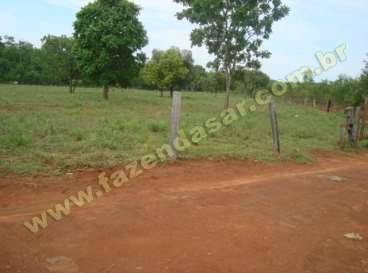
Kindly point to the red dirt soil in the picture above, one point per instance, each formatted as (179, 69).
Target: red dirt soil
(195, 217)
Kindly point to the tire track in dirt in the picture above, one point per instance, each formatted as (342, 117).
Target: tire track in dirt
(18, 213)
(261, 179)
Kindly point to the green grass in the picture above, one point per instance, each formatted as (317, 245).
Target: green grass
(45, 130)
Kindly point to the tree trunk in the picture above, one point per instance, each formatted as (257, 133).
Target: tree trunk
(71, 90)
(171, 92)
(228, 87)
(72, 87)
(161, 93)
(329, 105)
(105, 92)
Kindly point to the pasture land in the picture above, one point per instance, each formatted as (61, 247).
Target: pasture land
(46, 130)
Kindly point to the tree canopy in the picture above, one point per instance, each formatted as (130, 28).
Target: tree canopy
(364, 79)
(249, 82)
(232, 30)
(19, 61)
(109, 38)
(166, 70)
(59, 62)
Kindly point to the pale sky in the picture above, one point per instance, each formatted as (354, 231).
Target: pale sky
(312, 26)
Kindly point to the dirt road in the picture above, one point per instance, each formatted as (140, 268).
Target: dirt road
(196, 217)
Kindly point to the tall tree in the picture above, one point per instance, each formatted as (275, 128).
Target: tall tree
(364, 79)
(2, 60)
(60, 64)
(166, 70)
(189, 64)
(109, 38)
(232, 30)
(16, 61)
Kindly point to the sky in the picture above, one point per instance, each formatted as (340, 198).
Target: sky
(312, 26)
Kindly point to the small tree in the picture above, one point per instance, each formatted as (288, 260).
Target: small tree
(199, 74)
(250, 81)
(109, 38)
(187, 83)
(165, 70)
(232, 30)
(213, 82)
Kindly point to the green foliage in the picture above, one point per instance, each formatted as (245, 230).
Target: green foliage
(52, 64)
(248, 82)
(345, 91)
(213, 82)
(182, 74)
(364, 81)
(198, 74)
(18, 62)
(166, 70)
(233, 31)
(109, 38)
(59, 62)
(188, 82)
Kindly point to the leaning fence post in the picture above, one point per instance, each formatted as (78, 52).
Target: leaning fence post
(357, 125)
(275, 127)
(175, 121)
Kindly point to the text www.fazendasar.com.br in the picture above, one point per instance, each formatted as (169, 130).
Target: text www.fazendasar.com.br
(183, 142)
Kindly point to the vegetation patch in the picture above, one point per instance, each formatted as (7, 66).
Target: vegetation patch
(51, 140)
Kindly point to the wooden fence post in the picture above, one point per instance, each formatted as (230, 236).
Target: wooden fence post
(364, 119)
(175, 120)
(349, 124)
(357, 125)
(275, 127)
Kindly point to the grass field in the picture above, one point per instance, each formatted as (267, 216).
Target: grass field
(45, 130)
